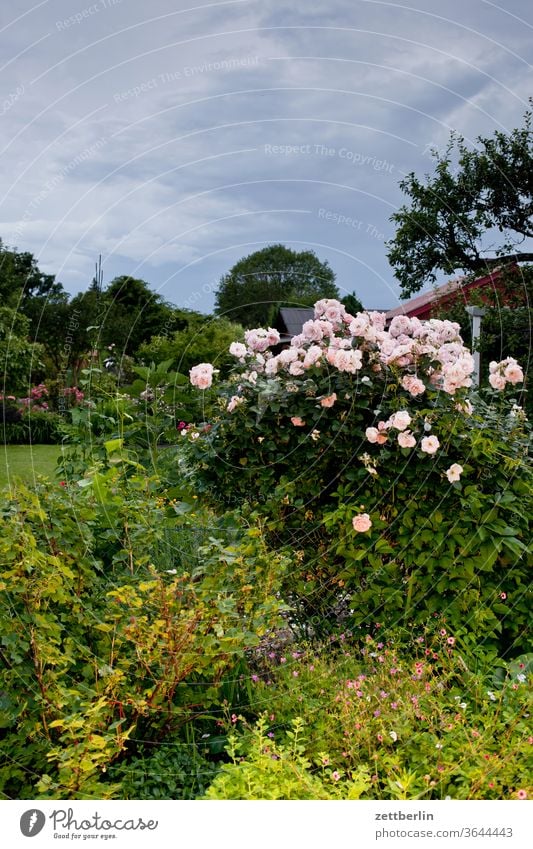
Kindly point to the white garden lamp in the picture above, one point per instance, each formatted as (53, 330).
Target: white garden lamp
(476, 314)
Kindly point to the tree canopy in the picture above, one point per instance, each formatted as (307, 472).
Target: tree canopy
(21, 279)
(254, 289)
(474, 212)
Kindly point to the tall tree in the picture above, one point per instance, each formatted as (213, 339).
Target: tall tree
(132, 314)
(21, 279)
(474, 212)
(254, 289)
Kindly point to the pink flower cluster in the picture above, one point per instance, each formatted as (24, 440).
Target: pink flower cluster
(38, 392)
(430, 351)
(418, 355)
(400, 421)
(504, 372)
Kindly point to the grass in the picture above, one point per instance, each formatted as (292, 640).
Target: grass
(26, 462)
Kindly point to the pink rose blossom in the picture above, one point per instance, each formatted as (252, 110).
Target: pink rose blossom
(289, 355)
(362, 523)
(330, 309)
(297, 421)
(259, 339)
(313, 355)
(296, 368)
(454, 472)
(237, 349)
(329, 400)
(497, 381)
(372, 434)
(201, 375)
(513, 373)
(406, 439)
(313, 331)
(430, 444)
(360, 324)
(400, 420)
(400, 325)
(349, 361)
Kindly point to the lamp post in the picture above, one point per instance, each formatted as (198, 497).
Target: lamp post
(476, 314)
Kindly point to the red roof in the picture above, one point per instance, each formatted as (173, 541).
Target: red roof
(452, 291)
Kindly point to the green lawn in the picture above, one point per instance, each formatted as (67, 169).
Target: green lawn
(26, 462)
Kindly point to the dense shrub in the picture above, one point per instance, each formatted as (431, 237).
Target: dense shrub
(33, 427)
(111, 631)
(418, 715)
(359, 447)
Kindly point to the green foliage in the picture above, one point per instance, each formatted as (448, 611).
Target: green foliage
(34, 427)
(108, 633)
(420, 712)
(21, 281)
(352, 303)
(204, 339)
(167, 770)
(272, 770)
(255, 287)
(452, 215)
(20, 360)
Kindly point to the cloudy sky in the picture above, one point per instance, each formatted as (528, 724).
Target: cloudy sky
(176, 136)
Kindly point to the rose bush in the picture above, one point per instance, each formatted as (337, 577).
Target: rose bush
(397, 495)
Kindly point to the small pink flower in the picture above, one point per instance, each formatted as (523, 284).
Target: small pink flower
(413, 385)
(430, 444)
(297, 421)
(329, 400)
(522, 794)
(497, 381)
(371, 434)
(237, 349)
(335, 775)
(451, 641)
(513, 373)
(234, 402)
(401, 420)
(406, 439)
(362, 523)
(503, 596)
(454, 472)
